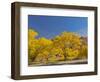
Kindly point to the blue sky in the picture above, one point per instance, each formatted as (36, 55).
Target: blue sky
(50, 26)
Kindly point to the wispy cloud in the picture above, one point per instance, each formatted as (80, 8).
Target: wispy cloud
(82, 31)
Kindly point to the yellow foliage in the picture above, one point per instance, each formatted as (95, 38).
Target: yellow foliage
(32, 42)
(56, 54)
(44, 42)
(63, 47)
(67, 40)
(71, 53)
(83, 52)
(42, 58)
(32, 33)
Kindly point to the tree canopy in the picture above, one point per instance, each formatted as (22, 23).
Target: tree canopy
(63, 47)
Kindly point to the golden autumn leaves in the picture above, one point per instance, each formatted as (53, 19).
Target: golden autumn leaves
(63, 47)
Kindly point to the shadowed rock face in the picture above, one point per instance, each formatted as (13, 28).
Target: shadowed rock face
(84, 40)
